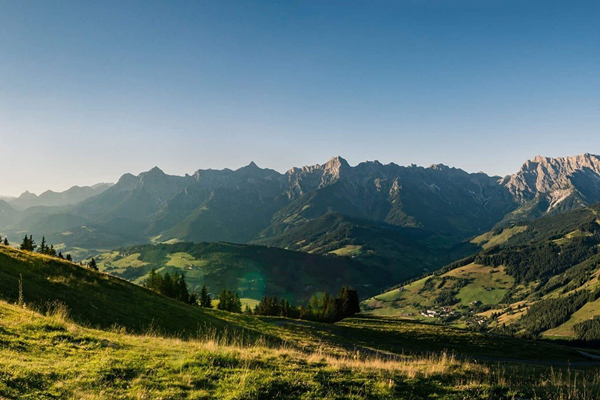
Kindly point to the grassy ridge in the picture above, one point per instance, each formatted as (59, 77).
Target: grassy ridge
(97, 299)
(50, 357)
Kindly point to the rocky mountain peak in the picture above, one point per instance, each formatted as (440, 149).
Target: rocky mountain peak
(554, 178)
(336, 163)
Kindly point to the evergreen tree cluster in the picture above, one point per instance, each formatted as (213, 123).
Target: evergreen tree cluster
(229, 301)
(323, 308)
(588, 330)
(550, 313)
(278, 308)
(4, 241)
(28, 244)
(174, 286)
(47, 250)
(529, 263)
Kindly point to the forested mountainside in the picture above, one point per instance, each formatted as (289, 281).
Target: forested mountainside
(539, 277)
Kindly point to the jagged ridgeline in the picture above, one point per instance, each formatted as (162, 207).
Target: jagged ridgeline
(539, 277)
(405, 220)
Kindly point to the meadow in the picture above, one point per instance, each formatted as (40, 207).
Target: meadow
(67, 332)
(48, 356)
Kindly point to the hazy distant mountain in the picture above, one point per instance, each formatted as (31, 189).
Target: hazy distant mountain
(7, 213)
(49, 198)
(375, 212)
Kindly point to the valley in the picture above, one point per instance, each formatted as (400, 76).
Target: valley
(492, 285)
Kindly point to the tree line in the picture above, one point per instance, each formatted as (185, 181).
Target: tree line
(322, 308)
(171, 286)
(550, 313)
(28, 244)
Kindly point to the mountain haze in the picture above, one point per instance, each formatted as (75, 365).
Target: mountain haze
(408, 219)
(50, 198)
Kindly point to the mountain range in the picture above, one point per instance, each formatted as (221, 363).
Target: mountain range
(406, 219)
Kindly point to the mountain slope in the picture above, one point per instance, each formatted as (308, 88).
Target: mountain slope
(7, 213)
(547, 185)
(403, 252)
(254, 271)
(96, 299)
(537, 277)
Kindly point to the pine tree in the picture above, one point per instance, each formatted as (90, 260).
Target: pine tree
(60, 255)
(92, 265)
(69, 258)
(43, 248)
(6, 242)
(28, 243)
(236, 304)
(182, 293)
(348, 303)
(223, 300)
(205, 300)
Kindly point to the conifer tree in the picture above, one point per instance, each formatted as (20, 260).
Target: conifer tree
(27, 243)
(69, 258)
(60, 255)
(6, 242)
(236, 303)
(43, 248)
(92, 265)
(223, 300)
(205, 300)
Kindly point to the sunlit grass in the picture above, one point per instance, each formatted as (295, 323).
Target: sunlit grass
(50, 356)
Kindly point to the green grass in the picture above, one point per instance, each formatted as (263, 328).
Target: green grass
(97, 299)
(50, 357)
(58, 352)
(490, 239)
(486, 285)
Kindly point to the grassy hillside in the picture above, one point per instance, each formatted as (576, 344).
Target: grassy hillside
(55, 353)
(254, 271)
(96, 299)
(540, 277)
(50, 357)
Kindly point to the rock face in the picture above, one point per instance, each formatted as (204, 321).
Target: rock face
(549, 185)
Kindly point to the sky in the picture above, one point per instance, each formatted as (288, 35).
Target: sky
(92, 90)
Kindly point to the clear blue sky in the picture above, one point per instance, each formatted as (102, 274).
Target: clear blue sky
(90, 90)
